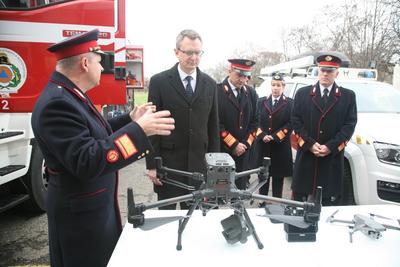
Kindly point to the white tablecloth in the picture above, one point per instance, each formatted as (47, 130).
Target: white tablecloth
(204, 245)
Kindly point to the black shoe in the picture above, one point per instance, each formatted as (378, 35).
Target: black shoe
(262, 204)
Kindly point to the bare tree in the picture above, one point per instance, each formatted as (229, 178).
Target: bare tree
(218, 73)
(259, 55)
(367, 31)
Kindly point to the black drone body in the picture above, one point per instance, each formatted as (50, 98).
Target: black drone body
(218, 189)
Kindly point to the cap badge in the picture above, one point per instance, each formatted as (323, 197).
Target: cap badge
(94, 49)
(277, 77)
(328, 58)
(248, 63)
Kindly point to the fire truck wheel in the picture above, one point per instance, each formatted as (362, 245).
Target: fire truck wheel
(347, 192)
(36, 180)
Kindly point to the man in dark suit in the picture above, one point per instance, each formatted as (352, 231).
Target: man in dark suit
(273, 136)
(324, 117)
(83, 153)
(191, 96)
(237, 115)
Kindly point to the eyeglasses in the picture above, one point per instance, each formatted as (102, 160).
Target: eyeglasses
(191, 53)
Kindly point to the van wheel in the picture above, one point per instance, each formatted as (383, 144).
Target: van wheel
(36, 181)
(348, 192)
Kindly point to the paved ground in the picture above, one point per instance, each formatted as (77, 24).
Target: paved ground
(23, 236)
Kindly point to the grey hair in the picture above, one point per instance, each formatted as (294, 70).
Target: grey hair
(67, 63)
(191, 34)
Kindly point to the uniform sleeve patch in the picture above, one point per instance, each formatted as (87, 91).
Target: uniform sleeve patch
(342, 146)
(300, 141)
(112, 156)
(280, 134)
(258, 132)
(228, 139)
(250, 139)
(125, 146)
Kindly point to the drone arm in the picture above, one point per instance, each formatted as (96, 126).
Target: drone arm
(279, 200)
(387, 226)
(341, 221)
(262, 171)
(163, 171)
(193, 175)
(168, 201)
(166, 180)
(247, 173)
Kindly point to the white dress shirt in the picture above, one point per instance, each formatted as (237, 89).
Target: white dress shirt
(183, 75)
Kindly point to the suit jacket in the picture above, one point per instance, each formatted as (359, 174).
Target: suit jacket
(332, 126)
(237, 121)
(196, 124)
(275, 122)
(82, 153)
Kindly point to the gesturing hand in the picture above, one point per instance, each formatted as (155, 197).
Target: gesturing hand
(159, 123)
(139, 111)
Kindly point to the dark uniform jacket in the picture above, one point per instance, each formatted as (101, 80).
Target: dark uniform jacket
(82, 153)
(332, 126)
(196, 125)
(275, 122)
(237, 120)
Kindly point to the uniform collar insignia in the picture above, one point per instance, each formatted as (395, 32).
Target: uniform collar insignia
(312, 92)
(226, 88)
(79, 94)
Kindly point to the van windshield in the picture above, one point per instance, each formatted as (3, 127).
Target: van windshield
(375, 97)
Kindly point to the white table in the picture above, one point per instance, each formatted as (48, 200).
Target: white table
(204, 245)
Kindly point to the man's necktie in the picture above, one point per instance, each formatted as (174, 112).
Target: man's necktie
(189, 89)
(325, 96)
(275, 104)
(239, 94)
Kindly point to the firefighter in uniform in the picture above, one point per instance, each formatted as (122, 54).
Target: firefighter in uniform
(273, 135)
(83, 153)
(237, 115)
(324, 117)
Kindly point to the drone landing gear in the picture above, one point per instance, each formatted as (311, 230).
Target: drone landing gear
(183, 223)
(252, 230)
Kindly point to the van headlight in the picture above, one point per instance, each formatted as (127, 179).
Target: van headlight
(388, 153)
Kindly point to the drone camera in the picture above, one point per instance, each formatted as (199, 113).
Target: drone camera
(234, 231)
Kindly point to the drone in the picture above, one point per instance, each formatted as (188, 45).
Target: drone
(218, 189)
(367, 225)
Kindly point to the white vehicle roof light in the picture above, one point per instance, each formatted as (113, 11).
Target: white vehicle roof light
(305, 65)
(347, 73)
(388, 153)
(288, 67)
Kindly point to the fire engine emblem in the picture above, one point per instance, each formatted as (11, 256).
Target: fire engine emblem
(12, 71)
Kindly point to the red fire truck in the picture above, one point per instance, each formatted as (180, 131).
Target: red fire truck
(27, 28)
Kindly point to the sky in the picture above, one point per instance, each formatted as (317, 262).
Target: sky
(224, 25)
